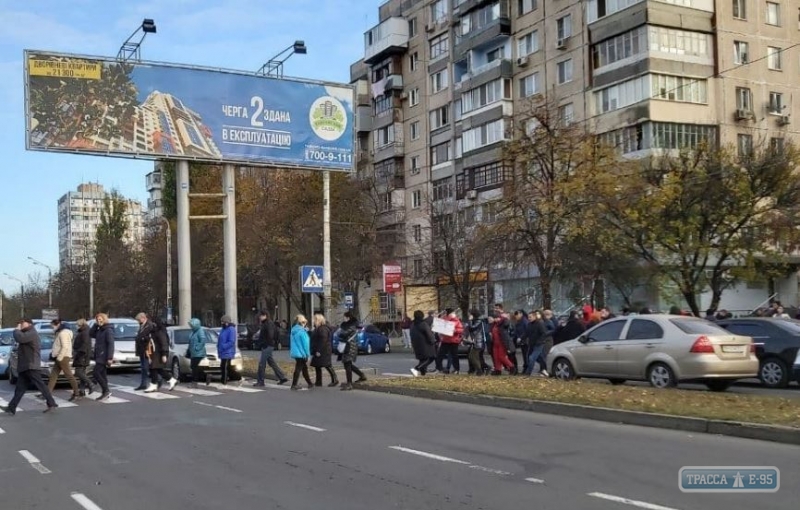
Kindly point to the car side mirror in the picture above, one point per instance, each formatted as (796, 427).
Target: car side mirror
(584, 339)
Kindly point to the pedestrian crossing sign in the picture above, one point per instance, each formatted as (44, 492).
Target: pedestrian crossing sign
(311, 278)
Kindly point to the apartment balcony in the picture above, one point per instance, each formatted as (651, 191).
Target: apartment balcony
(359, 71)
(364, 122)
(387, 117)
(390, 150)
(387, 38)
(393, 216)
(653, 12)
(153, 180)
(489, 35)
(465, 6)
(501, 68)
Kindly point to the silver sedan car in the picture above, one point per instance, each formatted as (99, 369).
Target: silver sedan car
(180, 365)
(661, 349)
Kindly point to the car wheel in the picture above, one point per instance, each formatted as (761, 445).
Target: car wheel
(718, 385)
(660, 375)
(388, 348)
(369, 348)
(617, 382)
(562, 369)
(773, 373)
(176, 369)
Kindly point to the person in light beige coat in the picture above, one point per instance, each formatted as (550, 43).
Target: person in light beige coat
(61, 356)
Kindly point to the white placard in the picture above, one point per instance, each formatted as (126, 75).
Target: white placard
(443, 327)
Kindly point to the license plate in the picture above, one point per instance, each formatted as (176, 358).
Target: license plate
(213, 364)
(733, 348)
(132, 360)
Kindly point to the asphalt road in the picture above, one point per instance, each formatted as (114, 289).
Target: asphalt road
(325, 448)
(401, 360)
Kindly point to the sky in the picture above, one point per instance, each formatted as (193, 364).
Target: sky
(234, 34)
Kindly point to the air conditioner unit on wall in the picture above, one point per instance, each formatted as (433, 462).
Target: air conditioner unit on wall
(562, 43)
(785, 120)
(522, 61)
(742, 114)
(430, 27)
(472, 194)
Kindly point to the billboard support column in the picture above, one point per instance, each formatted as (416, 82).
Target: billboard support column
(229, 241)
(326, 241)
(184, 244)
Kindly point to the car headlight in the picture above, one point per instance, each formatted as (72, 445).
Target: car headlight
(797, 359)
(3, 355)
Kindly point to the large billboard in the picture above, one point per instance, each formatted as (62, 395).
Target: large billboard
(102, 106)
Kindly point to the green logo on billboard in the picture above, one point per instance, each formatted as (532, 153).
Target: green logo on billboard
(328, 118)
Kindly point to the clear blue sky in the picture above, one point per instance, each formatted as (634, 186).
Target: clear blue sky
(238, 34)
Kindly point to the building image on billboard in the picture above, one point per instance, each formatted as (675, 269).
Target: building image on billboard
(108, 107)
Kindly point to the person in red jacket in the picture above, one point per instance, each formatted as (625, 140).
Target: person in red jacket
(449, 345)
(501, 342)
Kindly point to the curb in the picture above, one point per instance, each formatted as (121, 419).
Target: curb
(340, 373)
(772, 433)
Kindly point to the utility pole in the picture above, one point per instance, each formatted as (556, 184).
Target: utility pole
(169, 270)
(326, 241)
(49, 280)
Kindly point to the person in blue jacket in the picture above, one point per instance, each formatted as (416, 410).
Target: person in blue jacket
(300, 351)
(196, 352)
(226, 348)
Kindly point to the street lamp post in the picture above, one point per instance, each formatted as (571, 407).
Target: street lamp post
(49, 280)
(21, 294)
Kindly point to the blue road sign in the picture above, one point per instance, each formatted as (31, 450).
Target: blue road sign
(349, 300)
(311, 278)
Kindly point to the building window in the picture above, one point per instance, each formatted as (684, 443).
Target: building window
(440, 117)
(382, 104)
(466, 216)
(418, 268)
(383, 136)
(443, 189)
(442, 224)
(564, 26)
(744, 99)
(601, 8)
(480, 19)
(486, 94)
(414, 164)
(416, 199)
(490, 175)
(525, 6)
(528, 43)
(415, 130)
(439, 11)
(441, 153)
(621, 95)
(776, 104)
(774, 58)
(679, 42)
(529, 85)
(625, 140)
(459, 147)
(489, 212)
(496, 54)
(741, 53)
(439, 46)
(744, 145)
(486, 134)
(412, 27)
(773, 14)
(620, 47)
(666, 135)
(417, 233)
(680, 89)
(564, 71)
(439, 81)
(776, 144)
(566, 113)
(740, 9)
(413, 97)
(413, 61)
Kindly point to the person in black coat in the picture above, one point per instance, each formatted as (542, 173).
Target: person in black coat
(142, 344)
(571, 330)
(103, 334)
(536, 335)
(423, 342)
(81, 354)
(268, 340)
(348, 332)
(321, 350)
(158, 352)
(29, 365)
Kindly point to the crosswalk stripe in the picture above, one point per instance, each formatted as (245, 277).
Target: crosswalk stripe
(156, 395)
(233, 387)
(4, 403)
(60, 401)
(112, 400)
(197, 391)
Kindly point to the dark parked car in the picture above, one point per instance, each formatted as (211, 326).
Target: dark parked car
(777, 346)
(370, 340)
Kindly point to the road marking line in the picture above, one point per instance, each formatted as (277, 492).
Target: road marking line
(389, 374)
(242, 389)
(198, 392)
(156, 395)
(276, 387)
(490, 470)
(534, 480)
(303, 426)
(427, 455)
(2, 431)
(112, 400)
(631, 502)
(85, 502)
(218, 407)
(61, 402)
(34, 462)
(4, 403)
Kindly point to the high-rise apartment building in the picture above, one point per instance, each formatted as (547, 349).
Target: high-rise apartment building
(79, 215)
(441, 83)
(155, 187)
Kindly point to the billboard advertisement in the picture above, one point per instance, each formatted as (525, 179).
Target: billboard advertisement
(392, 278)
(102, 106)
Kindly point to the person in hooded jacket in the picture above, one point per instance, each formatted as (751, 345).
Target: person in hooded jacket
(321, 350)
(300, 351)
(423, 342)
(82, 348)
(226, 346)
(501, 344)
(348, 332)
(159, 353)
(196, 351)
(103, 334)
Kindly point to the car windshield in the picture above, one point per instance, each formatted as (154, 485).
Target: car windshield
(46, 340)
(698, 327)
(789, 325)
(182, 336)
(125, 330)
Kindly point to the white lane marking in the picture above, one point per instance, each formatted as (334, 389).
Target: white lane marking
(631, 502)
(112, 400)
(218, 407)
(490, 470)
(85, 502)
(4, 403)
(534, 480)
(275, 386)
(34, 462)
(2, 431)
(156, 395)
(198, 392)
(60, 401)
(304, 426)
(233, 387)
(428, 455)
(389, 374)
